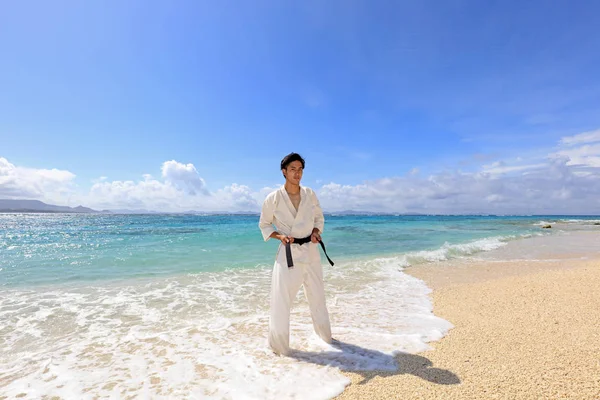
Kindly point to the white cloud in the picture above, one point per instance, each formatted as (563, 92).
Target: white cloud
(586, 137)
(32, 183)
(554, 186)
(494, 198)
(584, 155)
(500, 167)
(237, 197)
(145, 194)
(184, 176)
(181, 189)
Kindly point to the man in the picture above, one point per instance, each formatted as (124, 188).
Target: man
(296, 213)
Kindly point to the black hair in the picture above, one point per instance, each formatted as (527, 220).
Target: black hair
(291, 158)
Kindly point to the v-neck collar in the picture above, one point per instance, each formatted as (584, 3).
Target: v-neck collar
(289, 203)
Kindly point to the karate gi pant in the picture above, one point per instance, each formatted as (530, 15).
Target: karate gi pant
(285, 283)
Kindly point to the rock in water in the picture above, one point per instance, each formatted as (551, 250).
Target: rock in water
(547, 226)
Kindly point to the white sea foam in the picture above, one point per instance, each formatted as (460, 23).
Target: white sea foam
(450, 251)
(581, 221)
(571, 225)
(570, 222)
(542, 223)
(204, 336)
(561, 244)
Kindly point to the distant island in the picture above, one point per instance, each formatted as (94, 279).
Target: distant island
(36, 206)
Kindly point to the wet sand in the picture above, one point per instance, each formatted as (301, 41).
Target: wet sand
(524, 329)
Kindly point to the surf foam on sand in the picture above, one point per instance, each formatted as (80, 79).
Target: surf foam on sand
(204, 335)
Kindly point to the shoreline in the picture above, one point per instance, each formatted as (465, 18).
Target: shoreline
(523, 329)
(150, 277)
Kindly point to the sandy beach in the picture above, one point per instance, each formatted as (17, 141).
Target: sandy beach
(523, 330)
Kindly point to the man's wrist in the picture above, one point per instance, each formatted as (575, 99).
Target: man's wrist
(275, 235)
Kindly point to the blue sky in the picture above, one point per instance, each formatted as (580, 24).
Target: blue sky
(104, 93)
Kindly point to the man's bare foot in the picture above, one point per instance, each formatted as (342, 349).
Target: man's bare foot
(281, 353)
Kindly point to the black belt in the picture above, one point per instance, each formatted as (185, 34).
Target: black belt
(288, 250)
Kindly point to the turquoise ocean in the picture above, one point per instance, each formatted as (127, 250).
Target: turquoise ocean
(176, 306)
(47, 249)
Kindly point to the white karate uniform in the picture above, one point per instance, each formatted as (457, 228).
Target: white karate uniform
(278, 210)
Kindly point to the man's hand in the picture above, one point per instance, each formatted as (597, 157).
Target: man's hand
(285, 239)
(315, 237)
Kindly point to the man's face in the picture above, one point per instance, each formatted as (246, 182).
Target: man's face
(293, 172)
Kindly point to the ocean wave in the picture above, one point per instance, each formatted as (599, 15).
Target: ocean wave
(581, 221)
(569, 222)
(450, 251)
